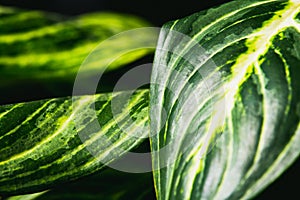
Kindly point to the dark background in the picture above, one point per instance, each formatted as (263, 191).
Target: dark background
(156, 12)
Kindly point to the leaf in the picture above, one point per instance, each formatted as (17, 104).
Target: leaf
(108, 185)
(225, 108)
(52, 141)
(26, 196)
(37, 45)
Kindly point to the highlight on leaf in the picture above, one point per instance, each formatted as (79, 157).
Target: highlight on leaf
(108, 184)
(224, 115)
(254, 47)
(41, 146)
(38, 45)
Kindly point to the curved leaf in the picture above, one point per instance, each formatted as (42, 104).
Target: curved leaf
(26, 196)
(108, 185)
(232, 116)
(52, 141)
(42, 45)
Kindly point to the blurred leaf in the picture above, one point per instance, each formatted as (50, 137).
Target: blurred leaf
(232, 108)
(37, 45)
(47, 142)
(26, 196)
(108, 185)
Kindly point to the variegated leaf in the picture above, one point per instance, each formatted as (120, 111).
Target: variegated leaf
(53, 141)
(38, 45)
(228, 123)
(108, 184)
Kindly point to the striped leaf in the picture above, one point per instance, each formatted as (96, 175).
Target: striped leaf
(108, 185)
(228, 123)
(46, 142)
(26, 196)
(37, 45)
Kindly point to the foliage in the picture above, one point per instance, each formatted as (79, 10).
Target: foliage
(225, 109)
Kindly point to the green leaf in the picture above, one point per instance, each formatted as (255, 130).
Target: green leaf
(37, 45)
(232, 108)
(26, 196)
(46, 142)
(108, 185)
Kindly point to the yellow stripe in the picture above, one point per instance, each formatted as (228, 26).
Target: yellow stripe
(41, 32)
(258, 43)
(246, 60)
(47, 119)
(289, 81)
(86, 166)
(80, 104)
(30, 117)
(42, 58)
(11, 109)
(273, 27)
(207, 28)
(88, 142)
(112, 122)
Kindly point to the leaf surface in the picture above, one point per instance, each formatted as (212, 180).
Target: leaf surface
(108, 185)
(229, 98)
(37, 45)
(52, 141)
